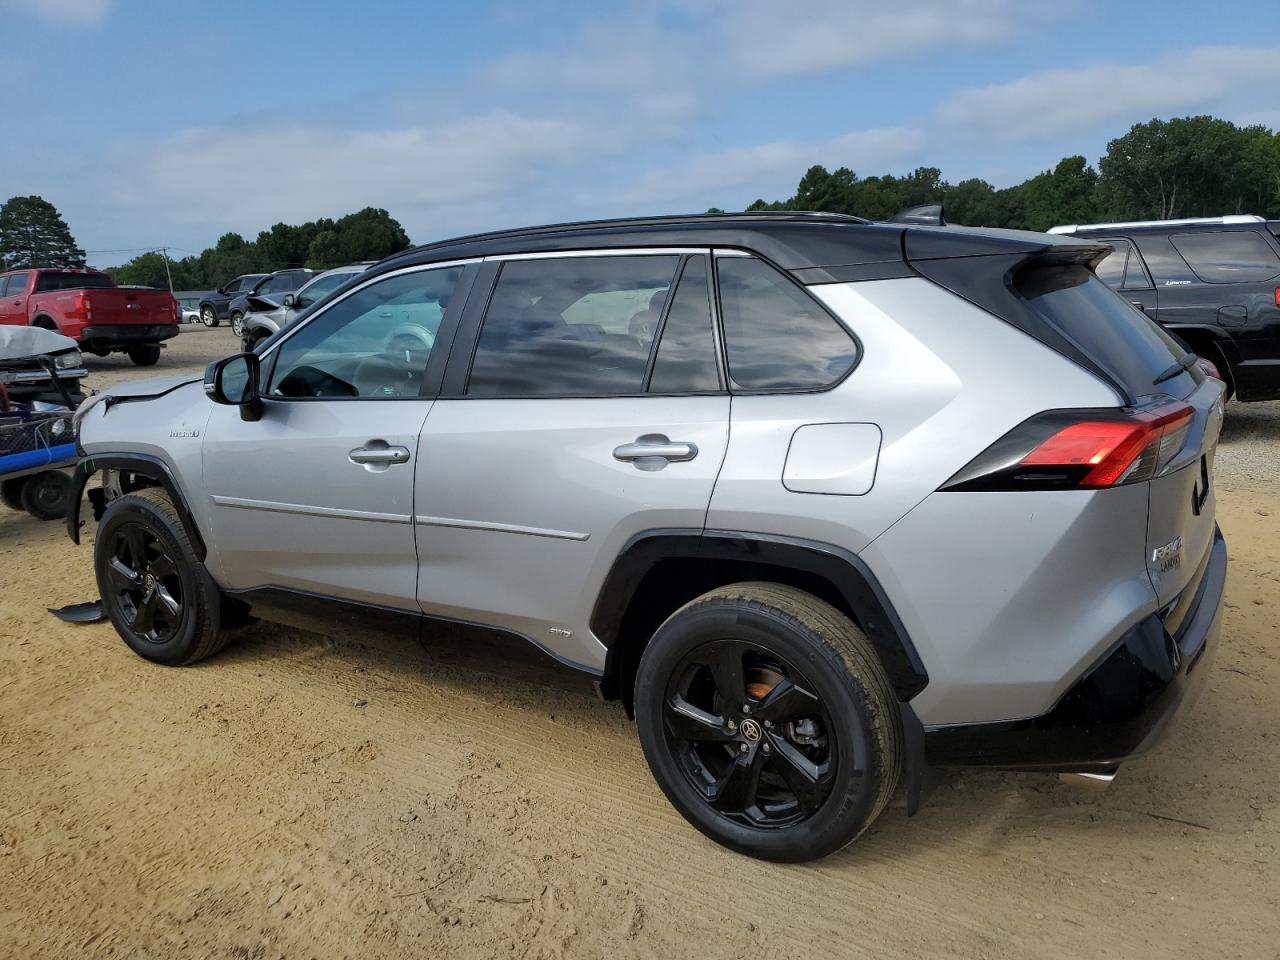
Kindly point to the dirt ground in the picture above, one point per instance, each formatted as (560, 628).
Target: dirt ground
(306, 797)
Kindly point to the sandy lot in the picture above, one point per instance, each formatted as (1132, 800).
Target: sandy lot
(305, 797)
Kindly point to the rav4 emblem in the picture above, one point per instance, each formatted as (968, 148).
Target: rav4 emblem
(184, 433)
(1168, 556)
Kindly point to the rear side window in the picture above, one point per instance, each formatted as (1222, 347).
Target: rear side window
(686, 361)
(72, 281)
(776, 336)
(1104, 326)
(571, 326)
(321, 288)
(1242, 256)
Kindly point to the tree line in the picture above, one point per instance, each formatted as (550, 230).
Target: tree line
(369, 234)
(1185, 167)
(33, 234)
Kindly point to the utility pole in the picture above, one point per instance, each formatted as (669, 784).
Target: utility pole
(164, 252)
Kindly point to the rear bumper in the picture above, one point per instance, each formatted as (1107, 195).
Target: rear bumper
(107, 334)
(1120, 707)
(1256, 379)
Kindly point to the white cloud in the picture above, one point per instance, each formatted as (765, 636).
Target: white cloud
(78, 12)
(775, 167)
(1045, 104)
(768, 39)
(298, 174)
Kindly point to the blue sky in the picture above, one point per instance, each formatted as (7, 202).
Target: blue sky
(168, 123)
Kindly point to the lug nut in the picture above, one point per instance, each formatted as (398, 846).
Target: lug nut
(743, 749)
(768, 724)
(746, 708)
(766, 748)
(733, 725)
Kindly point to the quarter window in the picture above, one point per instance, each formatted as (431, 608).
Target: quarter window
(776, 336)
(571, 326)
(373, 343)
(1242, 256)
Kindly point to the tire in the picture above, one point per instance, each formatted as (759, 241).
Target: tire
(145, 563)
(45, 323)
(45, 495)
(144, 354)
(208, 316)
(237, 324)
(11, 492)
(774, 776)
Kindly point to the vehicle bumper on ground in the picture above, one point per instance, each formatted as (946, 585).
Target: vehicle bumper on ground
(1257, 379)
(105, 334)
(1117, 709)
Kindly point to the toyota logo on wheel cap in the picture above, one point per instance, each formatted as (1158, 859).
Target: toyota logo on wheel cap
(751, 730)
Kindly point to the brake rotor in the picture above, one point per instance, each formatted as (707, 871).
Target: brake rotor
(761, 681)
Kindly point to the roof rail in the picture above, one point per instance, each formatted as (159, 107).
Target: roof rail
(1187, 221)
(803, 216)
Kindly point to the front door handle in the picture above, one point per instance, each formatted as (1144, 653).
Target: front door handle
(653, 451)
(378, 453)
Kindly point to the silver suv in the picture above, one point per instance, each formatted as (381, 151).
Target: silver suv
(267, 315)
(825, 503)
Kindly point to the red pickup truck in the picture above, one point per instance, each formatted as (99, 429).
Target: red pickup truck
(88, 307)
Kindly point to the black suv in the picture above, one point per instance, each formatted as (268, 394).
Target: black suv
(1214, 282)
(215, 306)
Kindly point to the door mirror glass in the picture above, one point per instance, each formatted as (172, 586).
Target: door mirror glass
(233, 381)
(290, 300)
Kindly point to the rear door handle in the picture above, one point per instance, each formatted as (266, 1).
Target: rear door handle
(653, 451)
(379, 453)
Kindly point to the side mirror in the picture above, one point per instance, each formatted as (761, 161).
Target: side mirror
(290, 300)
(233, 381)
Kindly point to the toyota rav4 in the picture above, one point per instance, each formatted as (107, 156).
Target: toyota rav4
(827, 504)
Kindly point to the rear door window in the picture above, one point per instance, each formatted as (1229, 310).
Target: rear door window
(572, 327)
(1238, 256)
(1122, 269)
(1105, 326)
(1111, 270)
(686, 360)
(777, 337)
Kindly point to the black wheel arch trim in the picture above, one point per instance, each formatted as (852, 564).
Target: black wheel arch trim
(843, 569)
(142, 464)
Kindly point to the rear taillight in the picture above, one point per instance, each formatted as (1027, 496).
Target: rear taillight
(79, 308)
(1210, 368)
(1080, 449)
(1278, 296)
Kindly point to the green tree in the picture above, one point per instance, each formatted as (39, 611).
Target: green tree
(1185, 167)
(33, 234)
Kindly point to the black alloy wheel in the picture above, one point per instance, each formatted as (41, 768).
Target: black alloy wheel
(750, 734)
(768, 721)
(145, 583)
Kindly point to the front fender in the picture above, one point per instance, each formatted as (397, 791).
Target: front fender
(141, 465)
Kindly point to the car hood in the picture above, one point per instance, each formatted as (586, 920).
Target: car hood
(17, 343)
(154, 387)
